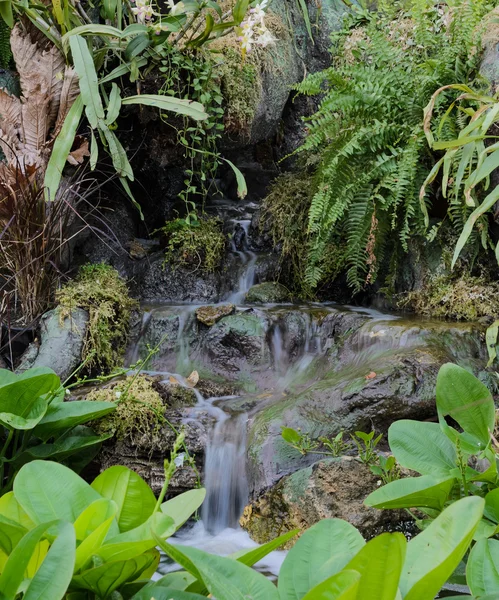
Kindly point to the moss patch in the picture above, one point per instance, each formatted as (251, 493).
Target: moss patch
(467, 298)
(200, 246)
(140, 410)
(101, 291)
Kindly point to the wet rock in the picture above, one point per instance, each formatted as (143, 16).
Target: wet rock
(382, 372)
(269, 292)
(175, 395)
(147, 456)
(162, 282)
(237, 343)
(61, 343)
(331, 488)
(209, 315)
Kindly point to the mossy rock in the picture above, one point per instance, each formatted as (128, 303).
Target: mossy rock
(209, 315)
(270, 292)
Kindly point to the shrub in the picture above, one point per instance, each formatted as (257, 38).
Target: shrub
(101, 291)
(199, 245)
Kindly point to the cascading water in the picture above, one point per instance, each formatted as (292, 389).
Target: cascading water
(248, 262)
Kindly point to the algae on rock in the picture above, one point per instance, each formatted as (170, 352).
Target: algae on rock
(101, 291)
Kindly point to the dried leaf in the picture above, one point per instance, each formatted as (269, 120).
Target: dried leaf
(193, 379)
(77, 156)
(69, 93)
(371, 375)
(173, 381)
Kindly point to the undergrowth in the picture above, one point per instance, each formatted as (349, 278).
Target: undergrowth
(140, 410)
(365, 144)
(194, 246)
(101, 291)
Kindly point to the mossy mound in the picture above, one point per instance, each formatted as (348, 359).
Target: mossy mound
(467, 298)
(209, 315)
(101, 291)
(197, 246)
(140, 409)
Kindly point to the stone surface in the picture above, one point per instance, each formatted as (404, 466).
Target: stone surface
(269, 292)
(61, 343)
(209, 315)
(381, 372)
(331, 488)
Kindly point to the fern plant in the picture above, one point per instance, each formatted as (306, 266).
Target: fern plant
(366, 143)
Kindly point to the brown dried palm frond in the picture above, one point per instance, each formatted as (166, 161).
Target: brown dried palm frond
(28, 125)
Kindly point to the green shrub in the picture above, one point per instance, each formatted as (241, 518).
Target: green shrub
(366, 144)
(199, 245)
(101, 291)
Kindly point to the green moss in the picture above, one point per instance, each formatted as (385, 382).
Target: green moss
(196, 246)
(241, 87)
(465, 298)
(140, 409)
(101, 291)
(285, 213)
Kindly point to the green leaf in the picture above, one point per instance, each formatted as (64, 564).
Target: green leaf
(411, 492)
(228, 579)
(23, 402)
(467, 400)
(183, 506)
(52, 579)
(251, 557)
(137, 45)
(322, 551)
(491, 510)
(66, 415)
(6, 12)
(176, 105)
(105, 579)
(342, 586)
(158, 592)
(48, 491)
(12, 510)
(290, 435)
(433, 555)
(122, 70)
(242, 188)
(94, 151)
(422, 447)
(380, 564)
(492, 337)
(240, 9)
(117, 153)
(13, 571)
(89, 88)
(11, 534)
(482, 570)
(114, 107)
(133, 497)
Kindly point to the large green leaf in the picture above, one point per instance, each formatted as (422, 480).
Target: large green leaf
(158, 592)
(180, 106)
(342, 586)
(131, 493)
(250, 557)
(66, 415)
(13, 572)
(91, 528)
(380, 564)
(482, 570)
(411, 492)
(52, 579)
(183, 506)
(12, 510)
(11, 534)
(491, 510)
(105, 579)
(467, 400)
(61, 150)
(322, 551)
(422, 447)
(433, 555)
(47, 491)
(23, 402)
(228, 579)
(89, 88)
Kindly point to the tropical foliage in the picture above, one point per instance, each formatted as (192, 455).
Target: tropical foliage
(366, 144)
(37, 423)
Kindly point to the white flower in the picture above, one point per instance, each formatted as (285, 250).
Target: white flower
(176, 9)
(68, 393)
(378, 483)
(246, 42)
(143, 11)
(257, 13)
(179, 460)
(117, 394)
(265, 39)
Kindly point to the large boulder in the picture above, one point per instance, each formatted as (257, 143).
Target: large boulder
(268, 292)
(331, 488)
(379, 373)
(61, 343)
